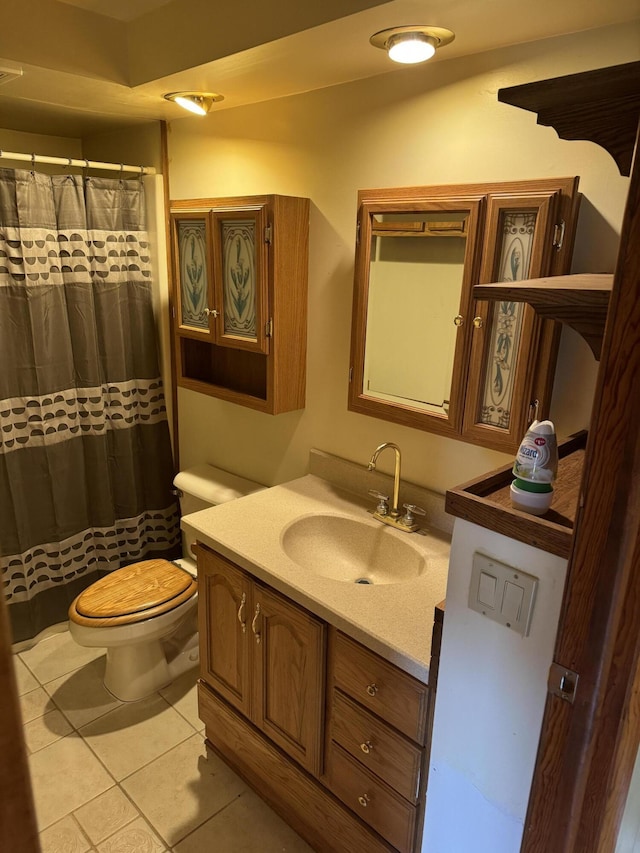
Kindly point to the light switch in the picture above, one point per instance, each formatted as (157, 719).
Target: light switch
(502, 593)
(512, 601)
(487, 590)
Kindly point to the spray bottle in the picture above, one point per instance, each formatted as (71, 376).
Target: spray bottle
(535, 469)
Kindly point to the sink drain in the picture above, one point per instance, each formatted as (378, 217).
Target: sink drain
(363, 580)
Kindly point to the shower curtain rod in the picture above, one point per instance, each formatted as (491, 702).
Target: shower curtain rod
(71, 161)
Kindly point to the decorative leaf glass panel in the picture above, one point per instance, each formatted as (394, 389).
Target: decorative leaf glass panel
(192, 265)
(517, 229)
(239, 278)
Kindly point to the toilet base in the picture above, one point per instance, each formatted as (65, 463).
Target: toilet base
(136, 671)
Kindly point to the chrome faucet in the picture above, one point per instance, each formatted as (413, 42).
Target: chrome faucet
(382, 512)
(394, 511)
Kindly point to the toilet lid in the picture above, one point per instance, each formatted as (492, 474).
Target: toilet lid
(135, 590)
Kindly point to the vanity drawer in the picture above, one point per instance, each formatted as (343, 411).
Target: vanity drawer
(398, 698)
(379, 806)
(396, 760)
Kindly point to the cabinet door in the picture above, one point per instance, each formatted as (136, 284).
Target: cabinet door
(240, 277)
(288, 670)
(193, 292)
(223, 621)
(511, 345)
(416, 264)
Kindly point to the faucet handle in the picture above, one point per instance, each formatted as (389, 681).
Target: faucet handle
(408, 519)
(383, 502)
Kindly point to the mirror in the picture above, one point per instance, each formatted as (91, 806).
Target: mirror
(424, 352)
(416, 272)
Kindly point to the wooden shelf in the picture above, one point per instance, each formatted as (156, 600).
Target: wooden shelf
(487, 501)
(601, 106)
(580, 301)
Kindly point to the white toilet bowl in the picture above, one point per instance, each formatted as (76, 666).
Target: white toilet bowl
(141, 657)
(145, 615)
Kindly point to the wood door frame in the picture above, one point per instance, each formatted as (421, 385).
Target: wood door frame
(587, 749)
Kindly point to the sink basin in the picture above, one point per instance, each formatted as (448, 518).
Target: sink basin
(346, 549)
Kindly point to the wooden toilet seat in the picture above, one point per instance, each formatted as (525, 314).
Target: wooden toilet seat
(133, 594)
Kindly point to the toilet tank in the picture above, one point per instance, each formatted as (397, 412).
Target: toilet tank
(205, 486)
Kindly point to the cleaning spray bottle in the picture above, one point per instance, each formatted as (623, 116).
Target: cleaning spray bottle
(535, 469)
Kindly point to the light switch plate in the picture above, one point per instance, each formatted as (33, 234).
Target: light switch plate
(502, 593)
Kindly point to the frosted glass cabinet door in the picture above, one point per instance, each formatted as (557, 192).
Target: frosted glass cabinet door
(240, 278)
(193, 274)
(502, 393)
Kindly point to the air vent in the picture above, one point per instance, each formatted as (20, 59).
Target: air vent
(9, 72)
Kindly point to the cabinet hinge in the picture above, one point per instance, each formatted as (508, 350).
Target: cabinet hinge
(357, 232)
(351, 374)
(268, 328)
(562, 682)
(558, 234)
(268, 233)
(173, 312)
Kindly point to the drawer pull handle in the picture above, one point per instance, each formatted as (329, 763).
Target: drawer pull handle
(366, 747)
(372, 689)
(364, 800)
(241, 618)
(254, 623)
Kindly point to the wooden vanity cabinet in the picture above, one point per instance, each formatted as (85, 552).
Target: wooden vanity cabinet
(334, 737)
(239, 298)
(264, 655)
(376, 756)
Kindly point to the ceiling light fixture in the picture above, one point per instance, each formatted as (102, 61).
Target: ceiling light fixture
(411, 44)
(196, 102)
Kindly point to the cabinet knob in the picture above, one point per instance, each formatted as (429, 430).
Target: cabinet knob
(366, 747)
(364, 800)
(458, 320)
(372, 689)
(211, 311)
(478, 322)
(241, 618)
(256, 633)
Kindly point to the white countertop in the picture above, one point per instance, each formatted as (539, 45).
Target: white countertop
(394, 620)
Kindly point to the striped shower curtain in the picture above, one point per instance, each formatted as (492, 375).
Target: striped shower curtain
(85, 458)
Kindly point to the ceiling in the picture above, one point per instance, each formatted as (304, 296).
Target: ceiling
(90, 66)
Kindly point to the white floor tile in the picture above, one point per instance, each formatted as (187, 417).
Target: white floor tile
(182, 694)
(56, 656)
(106, 814)
(81, 694)
(248, 825)
(183, 788)
(45, 730)
(35, 704)
(137, 837)
(134, 734)
(25, 680)
(64, 837)
(64, 776)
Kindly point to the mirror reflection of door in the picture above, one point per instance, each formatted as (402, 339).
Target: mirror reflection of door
(415, 285)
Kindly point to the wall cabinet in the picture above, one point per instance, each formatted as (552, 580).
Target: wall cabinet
(338, 746)
(239, 304)
(425, 352)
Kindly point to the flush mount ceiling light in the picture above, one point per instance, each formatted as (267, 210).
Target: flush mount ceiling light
(411, 44)
(196, 102)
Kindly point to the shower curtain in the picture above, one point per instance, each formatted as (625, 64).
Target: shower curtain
(85, 459)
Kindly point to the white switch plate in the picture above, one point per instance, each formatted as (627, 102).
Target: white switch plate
(515, 593)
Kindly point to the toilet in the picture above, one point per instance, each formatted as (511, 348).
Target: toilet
(145, 614)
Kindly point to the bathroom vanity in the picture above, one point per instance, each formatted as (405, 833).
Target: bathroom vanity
(317, 687)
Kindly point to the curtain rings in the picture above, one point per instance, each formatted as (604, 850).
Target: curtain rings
(33, 165)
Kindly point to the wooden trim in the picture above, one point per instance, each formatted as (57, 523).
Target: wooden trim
(486, 501)
(173, 383)
(587, 748)
(18, 829)
(306, 806)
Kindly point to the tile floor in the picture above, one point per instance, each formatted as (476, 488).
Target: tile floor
(110, 777)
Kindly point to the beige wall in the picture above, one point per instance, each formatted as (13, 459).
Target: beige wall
(439, 123)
